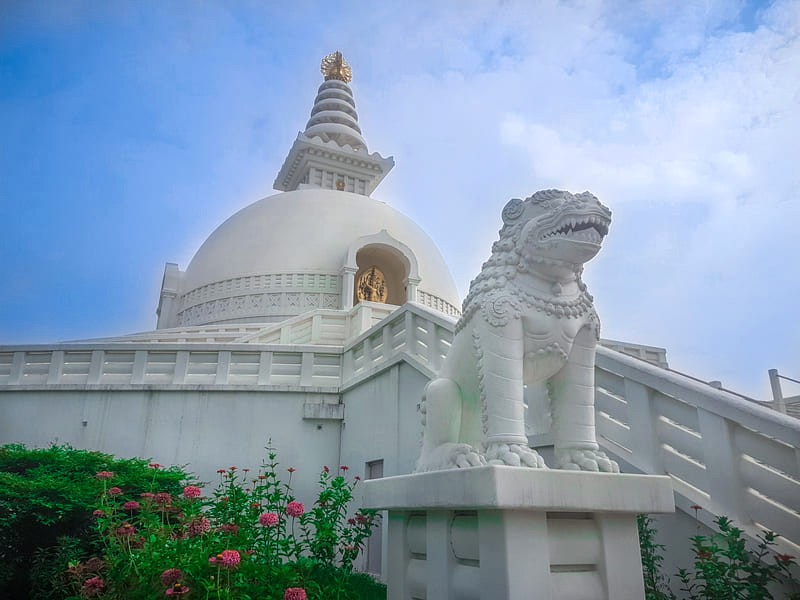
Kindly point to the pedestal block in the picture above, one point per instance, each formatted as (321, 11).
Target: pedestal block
(494, 533)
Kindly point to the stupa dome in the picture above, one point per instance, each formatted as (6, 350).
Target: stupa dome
(297, 244)
(323, 243)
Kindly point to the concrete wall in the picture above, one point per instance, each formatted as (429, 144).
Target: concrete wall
(203, 429)
(381, 421)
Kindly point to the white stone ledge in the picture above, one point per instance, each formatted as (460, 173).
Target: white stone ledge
(167, 387)
(172, 346)
(496, 487)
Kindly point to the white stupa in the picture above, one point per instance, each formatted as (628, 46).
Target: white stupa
(314, 318)
(312, 246)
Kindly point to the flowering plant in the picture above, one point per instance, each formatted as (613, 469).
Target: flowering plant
(725, 568)
(249, 538)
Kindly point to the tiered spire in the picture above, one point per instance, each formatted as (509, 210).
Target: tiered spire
(331, 153)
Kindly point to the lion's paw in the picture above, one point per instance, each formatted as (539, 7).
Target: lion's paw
(584, 460)
(514, 455)
(450, 456)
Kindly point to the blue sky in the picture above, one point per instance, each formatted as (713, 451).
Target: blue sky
(130, 130)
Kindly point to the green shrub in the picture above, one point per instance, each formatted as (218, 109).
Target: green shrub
(49, 494)
(250, 538)
(724, 567)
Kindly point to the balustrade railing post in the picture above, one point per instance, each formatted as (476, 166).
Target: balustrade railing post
(367, 355)
(777, 393)
(316, 329)
(181, 366)
(386, 344)
(139, 364)
(347, 366)
(223, 367)
(264, 368)
(95, 367)
(722, 459)
(410, 333)
(643, 423)
(17, 368)
(432, 342)
(56, 367)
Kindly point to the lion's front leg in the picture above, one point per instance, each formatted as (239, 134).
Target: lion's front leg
(572, 392)
(441, 408)
(500, 353)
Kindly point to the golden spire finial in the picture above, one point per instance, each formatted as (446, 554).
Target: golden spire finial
(334, 66)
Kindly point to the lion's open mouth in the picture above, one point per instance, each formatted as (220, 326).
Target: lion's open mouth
(581, 229)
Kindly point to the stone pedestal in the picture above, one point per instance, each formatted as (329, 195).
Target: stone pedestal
(494, 533)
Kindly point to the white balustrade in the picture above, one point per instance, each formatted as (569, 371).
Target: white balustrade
(163, 365)
(413, 333)
(723, 452)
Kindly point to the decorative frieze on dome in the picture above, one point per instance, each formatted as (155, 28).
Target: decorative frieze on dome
(277, 295)
(256, 307)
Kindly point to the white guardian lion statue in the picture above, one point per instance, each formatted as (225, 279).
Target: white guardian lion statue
(526, 338)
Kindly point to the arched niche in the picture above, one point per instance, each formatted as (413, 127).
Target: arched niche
(391, 257)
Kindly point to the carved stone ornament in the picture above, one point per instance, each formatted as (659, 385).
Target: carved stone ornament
(528, 328)
(371, 286)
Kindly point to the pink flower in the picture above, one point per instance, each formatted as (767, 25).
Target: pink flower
(191, 491)
(291, 469)
(126, 530)
(295, 509)
(98, 513)
(326, 469)
(154, 466)
(171, 576)
(177, 590)
(230, 559)
(361, 518)
(344, 468)
(231, 528)
(220, 471)
(131, 505)
(147, 496)
(294, 594)
(163, 498)
(114, 491)
(198, 526)
(93, 587)
(269, 519)
(104, 475)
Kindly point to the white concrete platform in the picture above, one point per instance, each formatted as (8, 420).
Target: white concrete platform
(494, 533)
